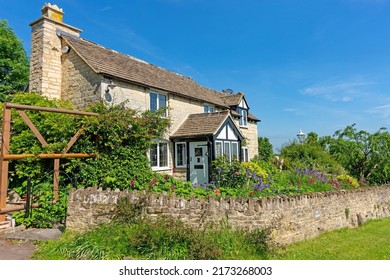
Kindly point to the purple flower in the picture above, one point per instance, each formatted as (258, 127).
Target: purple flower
(261, 186)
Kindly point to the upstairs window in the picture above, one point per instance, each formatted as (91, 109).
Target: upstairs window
(158, 101)
(243, 116)
(209, 109)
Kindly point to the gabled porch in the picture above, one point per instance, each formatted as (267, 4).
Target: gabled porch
(201, 139)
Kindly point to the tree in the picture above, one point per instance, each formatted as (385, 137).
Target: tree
(14, 64)
(265, 148)
(364, 155)
(310, 155)
(312, 138)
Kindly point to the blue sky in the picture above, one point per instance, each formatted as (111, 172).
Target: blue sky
(311, 65)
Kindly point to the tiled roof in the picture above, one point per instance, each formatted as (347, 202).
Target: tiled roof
(232, 99)
(114, 64)
(250, 116)
(201, 124)
(253, 117)
(109, 62)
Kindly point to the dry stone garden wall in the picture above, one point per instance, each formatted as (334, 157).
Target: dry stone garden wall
(290, 218)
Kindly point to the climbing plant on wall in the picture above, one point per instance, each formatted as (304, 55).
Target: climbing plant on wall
(120, 137)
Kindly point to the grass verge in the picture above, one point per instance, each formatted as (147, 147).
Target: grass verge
(368, 242)
(161, 239)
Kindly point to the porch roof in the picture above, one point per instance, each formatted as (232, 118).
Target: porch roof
(205, 124)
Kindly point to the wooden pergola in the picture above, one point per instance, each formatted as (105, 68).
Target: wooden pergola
(5, 156)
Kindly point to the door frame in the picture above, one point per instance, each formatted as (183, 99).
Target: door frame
(207, 158)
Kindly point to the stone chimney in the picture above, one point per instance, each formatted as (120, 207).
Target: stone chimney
(46, 46)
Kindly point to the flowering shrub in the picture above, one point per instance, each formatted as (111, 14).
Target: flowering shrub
(228, 174)
(348, 181)
(247, 179)
(253, 168)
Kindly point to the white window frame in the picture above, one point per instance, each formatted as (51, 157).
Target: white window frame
(229, 156)
(158, 167)
(220, 150)
(237, 156)
(243, 121)
(208, 108)
(158, 94)
(245, 154)
(184, 154)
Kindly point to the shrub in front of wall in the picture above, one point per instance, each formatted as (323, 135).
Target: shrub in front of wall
(348, 182)
(120, 137)
(252, 168)
(228, 174)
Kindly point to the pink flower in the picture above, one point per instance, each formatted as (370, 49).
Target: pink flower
(132, 182)
(217, 191)
(173, 187)
(152, 183)
(236, 173)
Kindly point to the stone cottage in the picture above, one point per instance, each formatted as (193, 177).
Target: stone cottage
(205, 123)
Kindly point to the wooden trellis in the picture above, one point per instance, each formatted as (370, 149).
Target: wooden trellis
(5, 156)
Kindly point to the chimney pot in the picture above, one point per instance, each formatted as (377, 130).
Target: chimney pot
(52, 12)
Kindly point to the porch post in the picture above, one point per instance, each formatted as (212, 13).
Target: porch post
(210, 142)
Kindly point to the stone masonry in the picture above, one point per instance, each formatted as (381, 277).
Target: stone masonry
(290, 218)
(46, 51)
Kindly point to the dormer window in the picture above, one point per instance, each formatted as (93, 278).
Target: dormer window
(158, 101)
(243, 116)
(209, 109)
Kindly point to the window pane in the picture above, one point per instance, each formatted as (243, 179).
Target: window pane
(245, 154)
(153, 102)
(180, 154)
(227, 150)
(162, 102)
(239, 111)
(153, 155)
(163, 153)
(218, 149)
(235, 150)
(244, 117)
(208, 109)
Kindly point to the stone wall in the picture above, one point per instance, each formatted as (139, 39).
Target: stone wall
(250, 135)
(80, 84)
(45, 60)
(291, 218)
